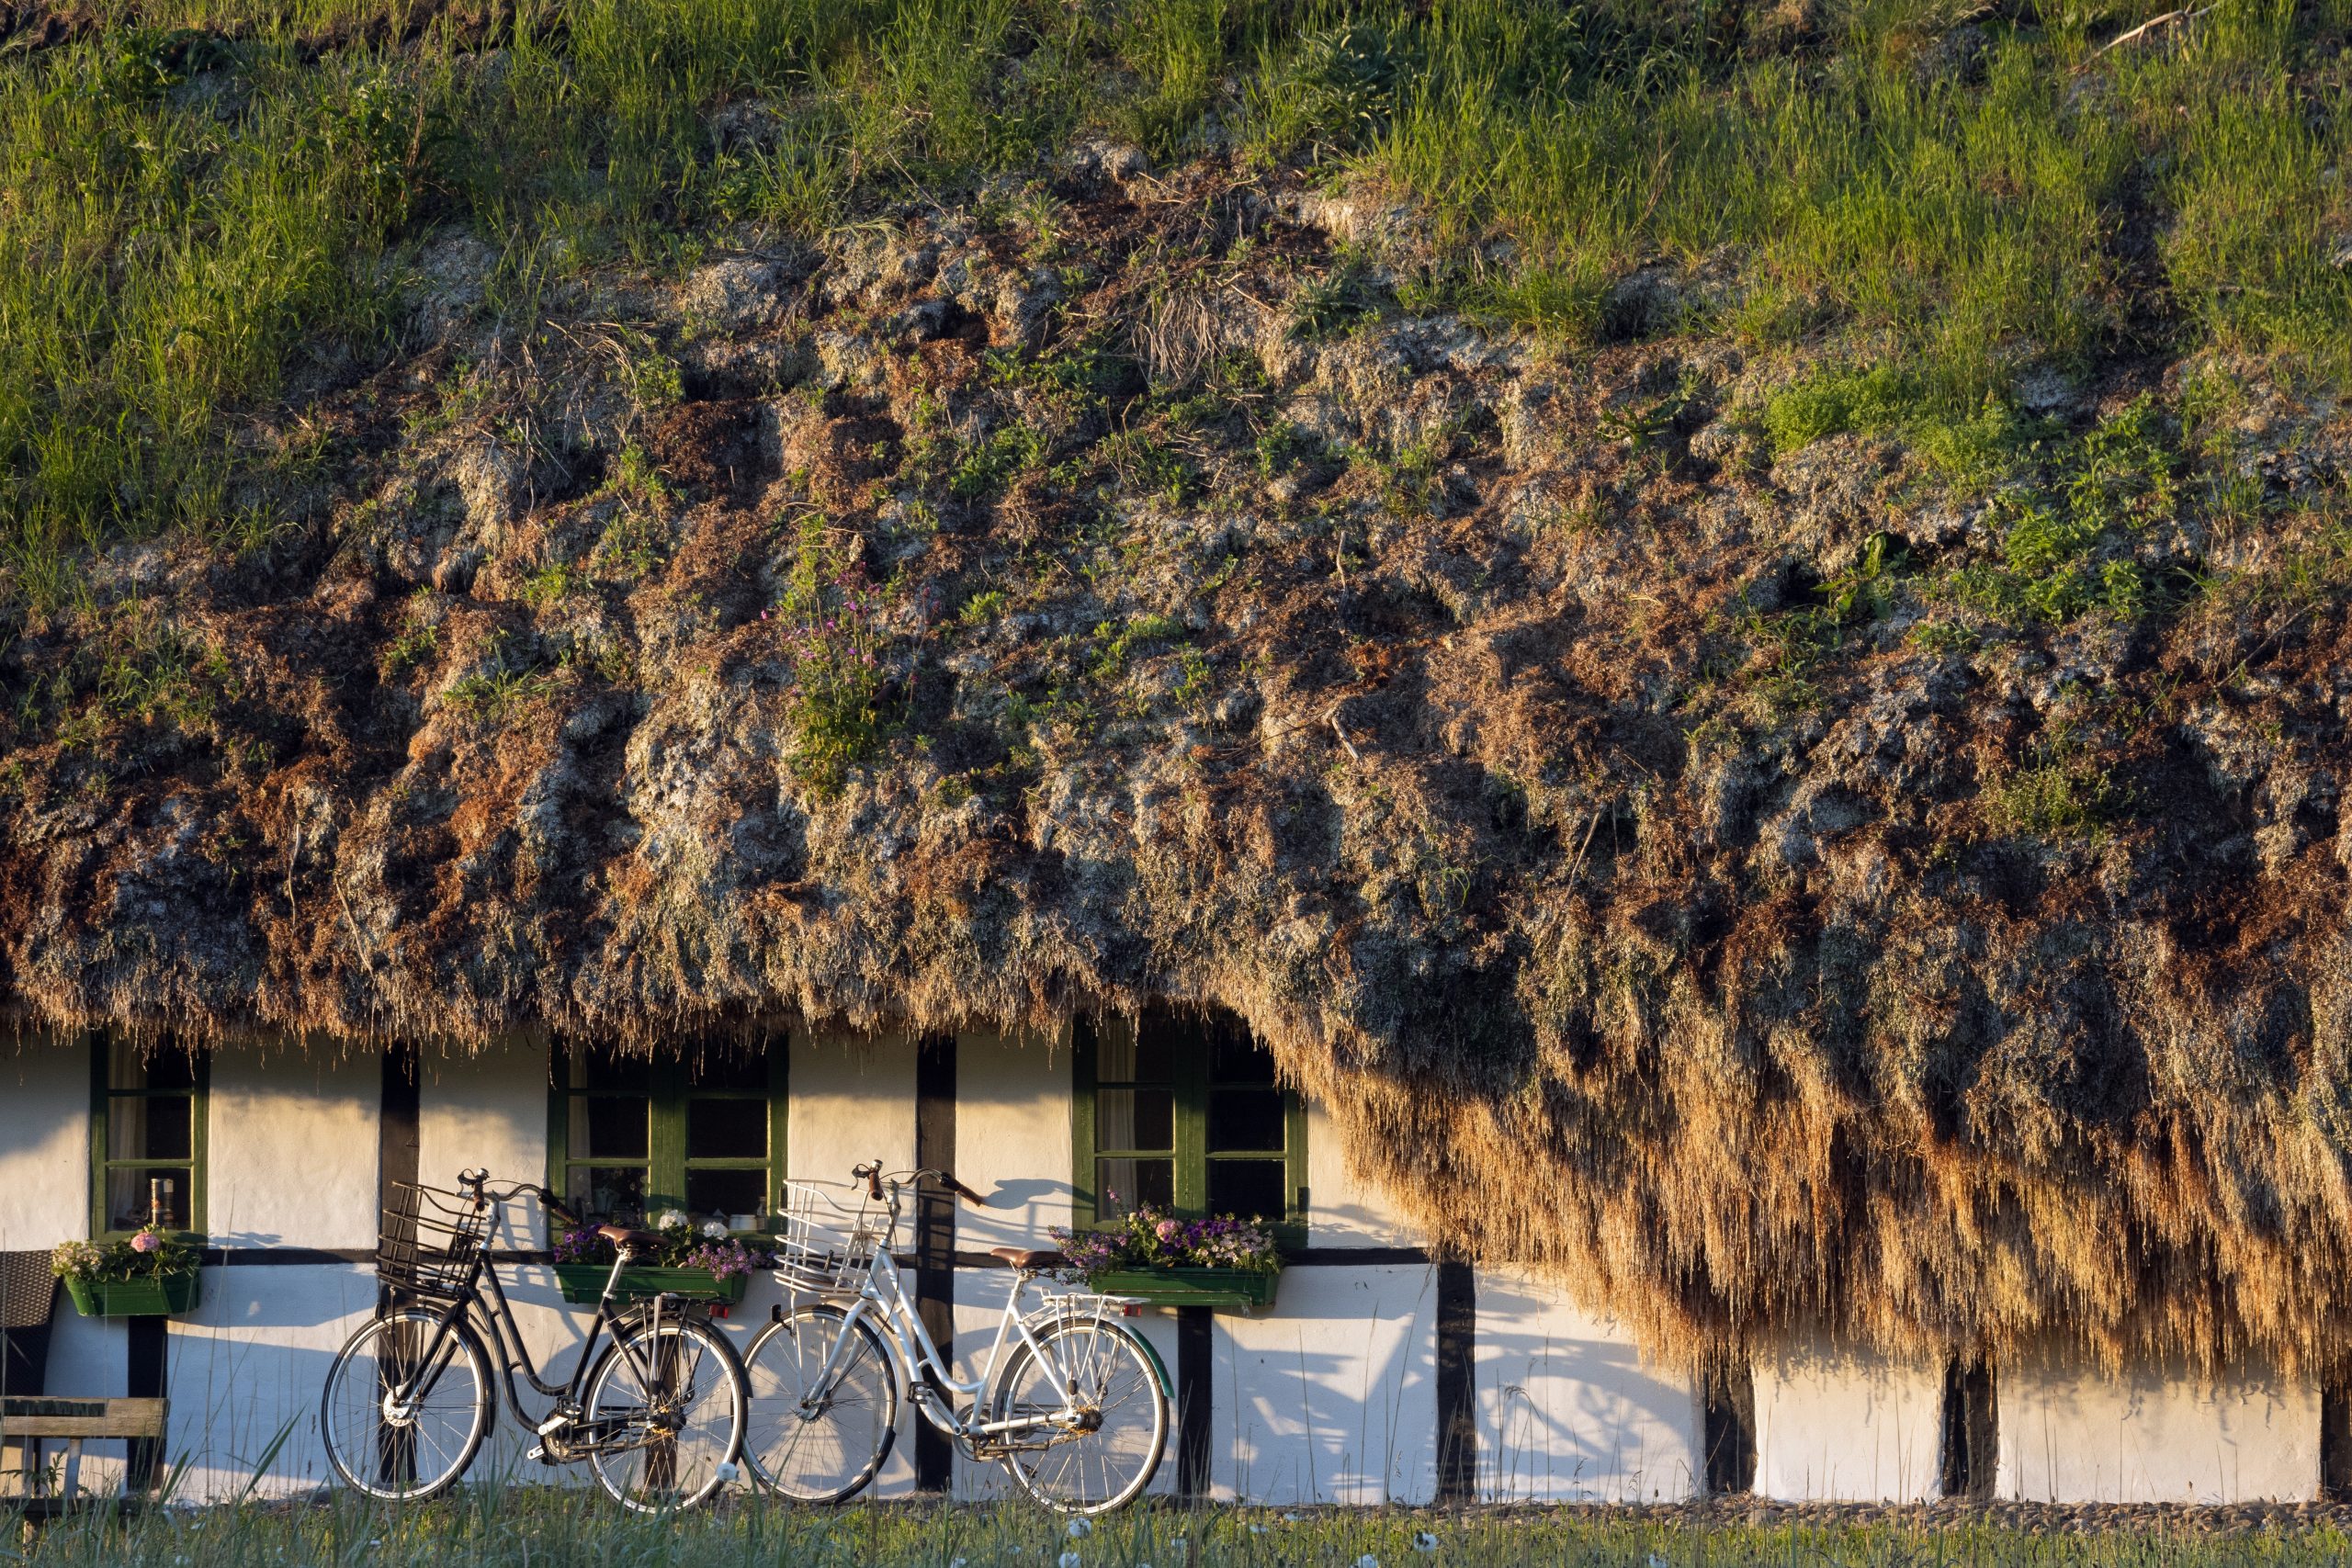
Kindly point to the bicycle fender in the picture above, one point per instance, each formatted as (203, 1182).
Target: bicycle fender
(1158, 1366)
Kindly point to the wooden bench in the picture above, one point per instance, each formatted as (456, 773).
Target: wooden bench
(29, 1422)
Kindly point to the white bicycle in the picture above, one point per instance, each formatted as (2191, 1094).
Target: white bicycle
(1076, 1413)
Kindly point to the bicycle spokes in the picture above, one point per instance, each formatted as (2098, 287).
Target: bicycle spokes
(666, 1410)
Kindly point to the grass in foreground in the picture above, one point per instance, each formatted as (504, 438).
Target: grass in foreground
(510, 1529)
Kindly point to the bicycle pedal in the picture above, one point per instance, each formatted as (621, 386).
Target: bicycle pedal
(554, 1423)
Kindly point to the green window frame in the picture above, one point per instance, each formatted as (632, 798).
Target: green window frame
(148, 1114)
(1189, 1108)
(629, 1136)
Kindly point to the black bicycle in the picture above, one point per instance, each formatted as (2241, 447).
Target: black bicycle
(659, 1414)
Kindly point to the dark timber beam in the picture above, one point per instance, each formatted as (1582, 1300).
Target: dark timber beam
(935, 1237)
(1969, 1452)
(151, 1343)
(1457, 1388)
(399, 1115)
(1195, 1363)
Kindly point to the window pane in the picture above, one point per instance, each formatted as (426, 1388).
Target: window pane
(726, 1192)
(129, 1192)
(1237, 1058)
(729, 1069)
(1120, 1185)
(608, 1128)
(1126, 1053)
(598, 1066)
(1250, 1188)
(1135, 1119)
(727, 1129)
(140, 1128)
(615, 1193)
(128, 1068)
(1245, 1119)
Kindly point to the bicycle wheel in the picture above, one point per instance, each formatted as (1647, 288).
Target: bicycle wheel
(667, 1406)
(819, 1446)
(411, 1451)
(1107, 1438)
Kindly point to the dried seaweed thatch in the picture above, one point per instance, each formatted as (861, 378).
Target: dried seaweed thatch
(1656, 881)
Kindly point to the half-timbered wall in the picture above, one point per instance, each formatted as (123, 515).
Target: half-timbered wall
(1383, 1374)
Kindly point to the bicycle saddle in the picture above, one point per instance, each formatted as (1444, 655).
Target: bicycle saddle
(628, 1240)
(1029, 1257)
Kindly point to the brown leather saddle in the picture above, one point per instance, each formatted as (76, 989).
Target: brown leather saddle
(1029, 1259)
(628, 1240)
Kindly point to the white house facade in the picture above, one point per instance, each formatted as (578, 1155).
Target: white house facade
(1381, 1373)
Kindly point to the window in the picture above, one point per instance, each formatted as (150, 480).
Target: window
(146, 1137)
(1184, 1113)
(629, 1136)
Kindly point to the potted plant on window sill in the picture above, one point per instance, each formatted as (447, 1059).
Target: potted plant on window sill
(150, 1274)
(1225, 1263)
(709, 1263)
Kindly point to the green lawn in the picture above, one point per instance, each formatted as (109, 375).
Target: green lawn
(205, 202)
(545, 1527)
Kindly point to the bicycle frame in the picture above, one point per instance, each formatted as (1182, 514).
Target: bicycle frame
(505, 1338)
(915, 1356)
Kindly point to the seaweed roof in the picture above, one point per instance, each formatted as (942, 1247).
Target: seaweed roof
(1775, 883)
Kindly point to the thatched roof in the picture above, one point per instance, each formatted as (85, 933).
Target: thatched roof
(1727, 875)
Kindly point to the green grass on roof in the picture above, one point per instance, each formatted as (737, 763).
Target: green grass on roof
(198, 203)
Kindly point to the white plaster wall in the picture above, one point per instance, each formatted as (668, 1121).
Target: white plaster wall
(852, 1099)
(90, 1358)
(489, 1111)
(1845, 1425)
(1341, 1210)
(1331, 1396)
(1567, 1409)
(44, 1144)
(291, 1148)
(1012, 1139)
(250, 1363)
(2073, 1433)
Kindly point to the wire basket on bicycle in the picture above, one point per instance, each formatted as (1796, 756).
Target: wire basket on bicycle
(430, 1240)
(829, 1236)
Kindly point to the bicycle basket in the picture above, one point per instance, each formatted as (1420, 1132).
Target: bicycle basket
(829, 1236)
(430, 1240)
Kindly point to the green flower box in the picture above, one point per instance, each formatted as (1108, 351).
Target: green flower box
(1222, 1290)
(153, 1295)
(584, 1283)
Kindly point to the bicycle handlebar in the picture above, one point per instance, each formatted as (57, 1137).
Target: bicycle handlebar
(960, 1191)
(871, 1174)
(476, 1181)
